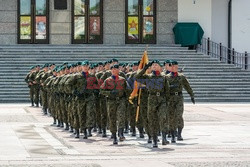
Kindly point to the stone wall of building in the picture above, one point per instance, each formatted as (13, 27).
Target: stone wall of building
(60, 24)
(167, 16)
(8, 22)
(113, 22)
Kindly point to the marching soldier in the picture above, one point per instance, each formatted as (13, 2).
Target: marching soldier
(177, 82)
(115, 87)
(158, 90)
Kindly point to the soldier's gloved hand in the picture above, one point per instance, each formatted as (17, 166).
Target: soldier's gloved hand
(192, 99)
(114, 92)
(148, 65)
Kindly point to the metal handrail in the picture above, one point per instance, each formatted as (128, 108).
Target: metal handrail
(223, 54)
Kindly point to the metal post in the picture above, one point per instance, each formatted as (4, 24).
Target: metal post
(246, 61)
(208, 45)
(233, 55)
(220, 52)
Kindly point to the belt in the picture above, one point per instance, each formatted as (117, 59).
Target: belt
(176, 94)
(157, 93)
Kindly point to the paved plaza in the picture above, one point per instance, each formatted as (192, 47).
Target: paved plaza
(214, 135)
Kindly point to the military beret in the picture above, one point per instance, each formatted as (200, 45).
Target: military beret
(114, 66)
(84, 63)
(32, 67)
(167, 62)
(156, 61)
(37, 65)
(100, 64)
(78, 63)
(65, 63)
(69, 66)
(114, 60)
(174, 62)
(63, 68)
(135, 64)
(106, 62)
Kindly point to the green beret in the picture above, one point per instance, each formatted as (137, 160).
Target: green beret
(69, 66)
(156, 61)
(37, 65)
(32, 67)
(106, 62)
(174, 62)
(100, 64)
(115, 66)
(84, 63)
(167, 62)
(78, 63)
(114, 60)
(65, 63)
(135, 64)
(63, 68)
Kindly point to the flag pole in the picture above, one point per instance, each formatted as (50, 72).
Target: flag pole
(139, 96)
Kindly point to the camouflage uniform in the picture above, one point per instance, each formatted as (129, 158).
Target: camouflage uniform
(115, 89)
(177, 82)
(158, 90)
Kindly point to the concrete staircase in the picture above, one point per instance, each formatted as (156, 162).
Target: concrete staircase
(211, 80)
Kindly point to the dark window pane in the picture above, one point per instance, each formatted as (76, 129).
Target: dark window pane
(40, 7)
(79, 29)
(148, 28)
(79, 7)
(94, 7)
(25, 7)
(132, 7)
(148, 7)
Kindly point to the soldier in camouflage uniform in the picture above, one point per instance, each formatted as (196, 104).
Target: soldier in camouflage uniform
(103, 105)
(34, 87)
(177, 82)
(115, 88)
(158, 90)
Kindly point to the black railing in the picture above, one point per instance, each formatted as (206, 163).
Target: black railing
(224, 54)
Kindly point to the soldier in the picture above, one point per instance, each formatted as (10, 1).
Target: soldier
(158, 90)
(167, 67)
(177, 82)
(115, 87)
(103, 106)
(30, 84)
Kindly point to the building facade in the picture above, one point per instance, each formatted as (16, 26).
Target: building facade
(111, 22)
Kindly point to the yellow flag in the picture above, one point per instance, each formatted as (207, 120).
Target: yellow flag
(143, 62)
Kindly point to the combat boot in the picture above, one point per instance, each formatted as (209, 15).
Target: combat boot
(54, 122)
(37, 105)
(71, 129)
(62, 124)
(89, 130)
(99, 130)
(58, 123)
(85, 134)
(67, 126)
(32, 103)
(121, 135)
(77, 134)
(149, 139)
(155, 144)
(173, 137)
(126, 129)
(45, 111)
(141, 133)
(95, 129)
(114, 138)
(104, 132)
(164, 139)
(169, 134)
(179, 137)
(133, 132)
